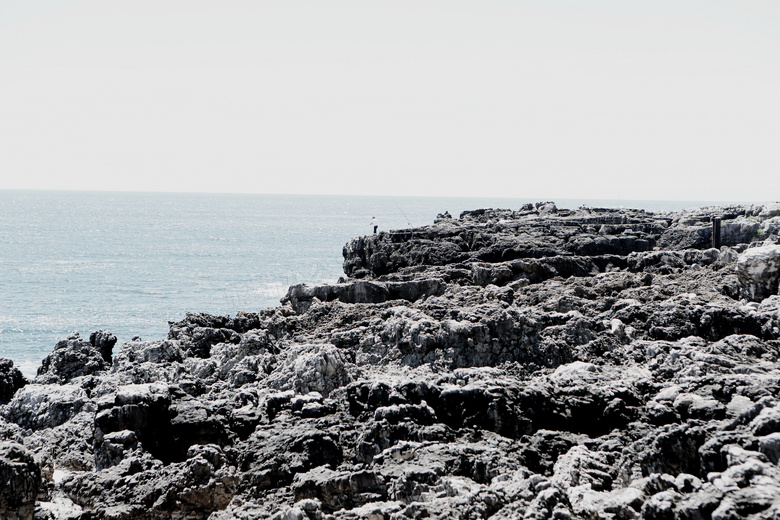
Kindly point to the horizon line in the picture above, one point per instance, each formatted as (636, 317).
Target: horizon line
(530, 198)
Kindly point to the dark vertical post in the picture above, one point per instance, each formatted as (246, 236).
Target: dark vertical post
(716, 232)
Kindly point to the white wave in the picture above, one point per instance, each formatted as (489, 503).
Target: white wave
(28, 368)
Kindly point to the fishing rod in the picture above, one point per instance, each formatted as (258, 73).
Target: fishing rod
(402, 212)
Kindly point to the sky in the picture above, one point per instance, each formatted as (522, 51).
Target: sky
(607, 99)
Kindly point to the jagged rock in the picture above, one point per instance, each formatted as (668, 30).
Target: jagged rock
(39, 406)
(307, 368)
(11, 380)
(72, 357)
(675, 450)
(144, 489)
(198, 332)
(580, 466)
(164, 420)
(624, 503)
(770, 446)
(740, 231)
(65, 447)
(114, 446)
(337, 490)
(147, 352)
(539, 363)
(770, 210)
(758, 269)
(300, 296)
(251, 359)
(104, 341)
(20, 478)
(273, 456)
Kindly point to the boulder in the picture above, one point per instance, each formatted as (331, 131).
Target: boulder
(163, 420)
(686, 237)
(198, 332)
(758, 270)
(740, 231)
(135, 352)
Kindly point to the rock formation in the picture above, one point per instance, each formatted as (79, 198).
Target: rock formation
(11, 380)
(539, 363)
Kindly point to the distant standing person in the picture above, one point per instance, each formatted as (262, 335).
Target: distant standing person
(375, 223)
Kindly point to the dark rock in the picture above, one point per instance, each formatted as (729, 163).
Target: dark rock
(21, 478)
(72, 357)
(142, 410)
(676, 450)
(486, 408)
(272, 457)
(11, 380)
(686, 237)
(166, 424)
(104, 341)
(142, 488)
(197, 333)
(193, 422)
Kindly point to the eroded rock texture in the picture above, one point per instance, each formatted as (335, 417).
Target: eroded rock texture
(20, 478)
(11, 380)
(538, 363)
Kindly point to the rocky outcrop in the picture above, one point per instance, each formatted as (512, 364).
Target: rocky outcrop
(11, 380)
(20, 478)
(143, 488)
(301, 296)
(73, 357)
(538, 363)
(758, 270)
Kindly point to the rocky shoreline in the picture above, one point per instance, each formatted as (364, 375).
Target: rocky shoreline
(538, 363)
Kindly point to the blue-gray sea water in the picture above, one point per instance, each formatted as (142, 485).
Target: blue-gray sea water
(131, 262)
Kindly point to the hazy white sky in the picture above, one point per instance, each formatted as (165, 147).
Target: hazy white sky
(634, 99)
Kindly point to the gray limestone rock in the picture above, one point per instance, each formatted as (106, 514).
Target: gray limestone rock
(758, 269)
(37, 406)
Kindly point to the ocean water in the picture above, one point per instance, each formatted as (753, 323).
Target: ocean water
(131, 262)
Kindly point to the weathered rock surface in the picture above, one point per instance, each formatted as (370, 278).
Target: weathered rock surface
(11, 380)
(539, 363)
(759, 271)
(20, 478)
(73, 357)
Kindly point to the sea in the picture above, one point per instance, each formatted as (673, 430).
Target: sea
(131, 262)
